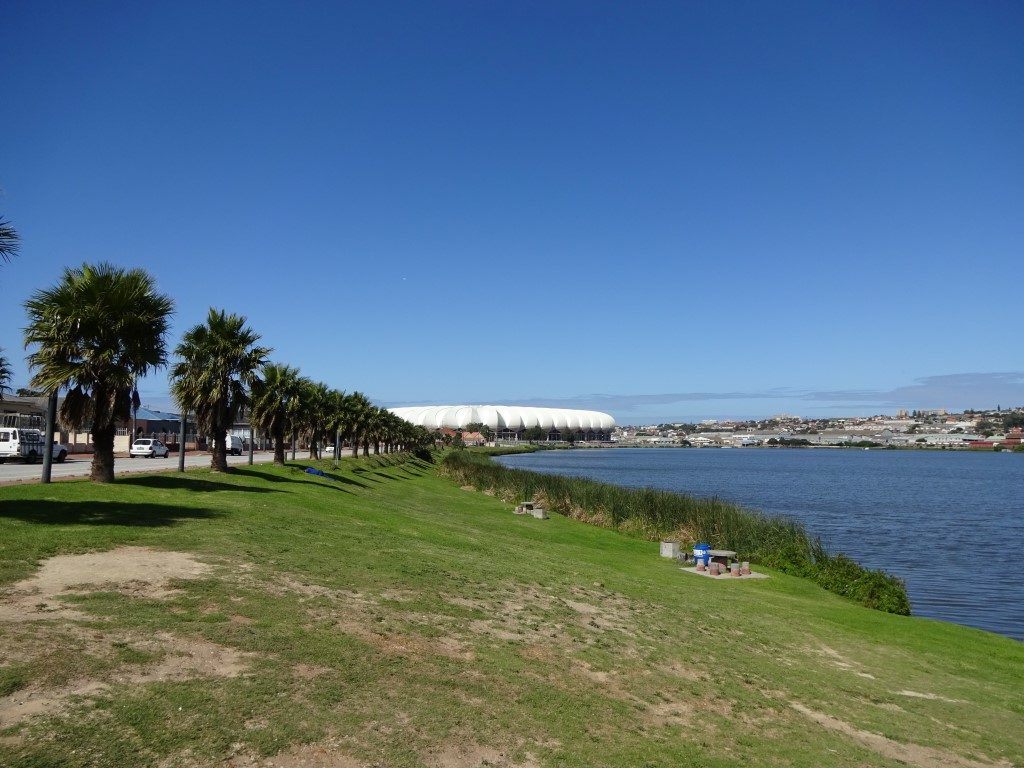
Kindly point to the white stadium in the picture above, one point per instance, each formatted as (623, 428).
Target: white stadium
(510, 422)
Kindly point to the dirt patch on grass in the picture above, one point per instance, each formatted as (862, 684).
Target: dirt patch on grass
(475, 756)
(415, 645)
(362, 616)
(669, 713)
(928, 696)
(303, 756)
(911, 754)
(177, 659)
(309, 671)
(472, 603)
(676, 669)
(134, 571)
(533, 615)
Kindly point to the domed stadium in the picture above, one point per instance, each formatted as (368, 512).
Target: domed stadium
(512, 422)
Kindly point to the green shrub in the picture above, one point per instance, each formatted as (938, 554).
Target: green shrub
(838, 574)
(881, 591)
(789, 558)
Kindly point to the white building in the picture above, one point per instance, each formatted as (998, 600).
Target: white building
(510, 422)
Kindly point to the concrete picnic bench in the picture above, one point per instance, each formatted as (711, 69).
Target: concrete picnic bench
(531, 508)
(723, 556)
(671, 549)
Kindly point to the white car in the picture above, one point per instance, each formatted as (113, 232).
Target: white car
(60, 452)
(148, 448)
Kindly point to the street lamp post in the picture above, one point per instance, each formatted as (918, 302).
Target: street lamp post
(181, 442)
(51, 419)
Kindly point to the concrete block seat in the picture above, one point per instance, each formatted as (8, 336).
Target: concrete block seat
(531, 508)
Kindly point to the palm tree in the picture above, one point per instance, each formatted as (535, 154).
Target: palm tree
(271, 395)
(9, 241)
(5, 375)
(95, 333)
(296, 411)
(358, 413)
(219, 362)
(320, 423)
(335, 424)
(312, 414)
(385, 430)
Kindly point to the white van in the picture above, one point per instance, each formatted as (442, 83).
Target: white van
(27, 444)
(234, 445)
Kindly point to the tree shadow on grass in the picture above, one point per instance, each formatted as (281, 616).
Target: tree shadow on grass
(187, 483)
(270, 477)
(347, 480)
(100, 513)
(365, 474)
(409, 472)
(302, 478)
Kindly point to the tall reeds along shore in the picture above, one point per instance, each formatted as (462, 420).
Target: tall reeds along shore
(772, 541)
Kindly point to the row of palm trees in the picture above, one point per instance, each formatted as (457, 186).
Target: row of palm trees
(102, 327)
(286, 404)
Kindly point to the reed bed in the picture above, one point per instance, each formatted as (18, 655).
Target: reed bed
(773, 541)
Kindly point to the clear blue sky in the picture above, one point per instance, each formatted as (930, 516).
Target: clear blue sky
(663, 210)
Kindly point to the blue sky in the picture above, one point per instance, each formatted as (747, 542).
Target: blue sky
(664, 210)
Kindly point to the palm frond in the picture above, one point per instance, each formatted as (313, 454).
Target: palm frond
(9, 241)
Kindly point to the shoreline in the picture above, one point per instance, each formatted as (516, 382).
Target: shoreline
(842, 505)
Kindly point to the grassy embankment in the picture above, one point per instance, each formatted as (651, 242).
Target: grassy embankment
(381, 616)
(652, 514)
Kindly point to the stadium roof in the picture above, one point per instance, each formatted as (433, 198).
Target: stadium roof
(499, 417)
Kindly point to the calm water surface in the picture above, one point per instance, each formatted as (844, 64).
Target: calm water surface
(933, 518)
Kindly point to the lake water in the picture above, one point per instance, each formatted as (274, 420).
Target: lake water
(933, 518)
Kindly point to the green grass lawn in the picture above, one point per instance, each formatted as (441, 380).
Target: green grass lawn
(382, 616)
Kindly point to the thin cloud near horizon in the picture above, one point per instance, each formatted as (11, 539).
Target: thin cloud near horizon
(952, 391)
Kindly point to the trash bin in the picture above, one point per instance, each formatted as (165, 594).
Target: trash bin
(702, 552)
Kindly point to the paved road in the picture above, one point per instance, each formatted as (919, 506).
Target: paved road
(78, 465)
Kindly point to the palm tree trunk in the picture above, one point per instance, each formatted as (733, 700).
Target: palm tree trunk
(295, 442)
(279, 445)
(355, 444)
(102, 470)
(376, 447)
(366, 447)
(219, 460)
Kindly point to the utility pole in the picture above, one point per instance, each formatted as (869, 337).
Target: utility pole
(51, 419)
(181, 442)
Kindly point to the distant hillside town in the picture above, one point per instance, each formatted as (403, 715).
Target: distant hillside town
(997, 429)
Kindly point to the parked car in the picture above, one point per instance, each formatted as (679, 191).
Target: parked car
(27, 445)
(60, 452)
(148, 448)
